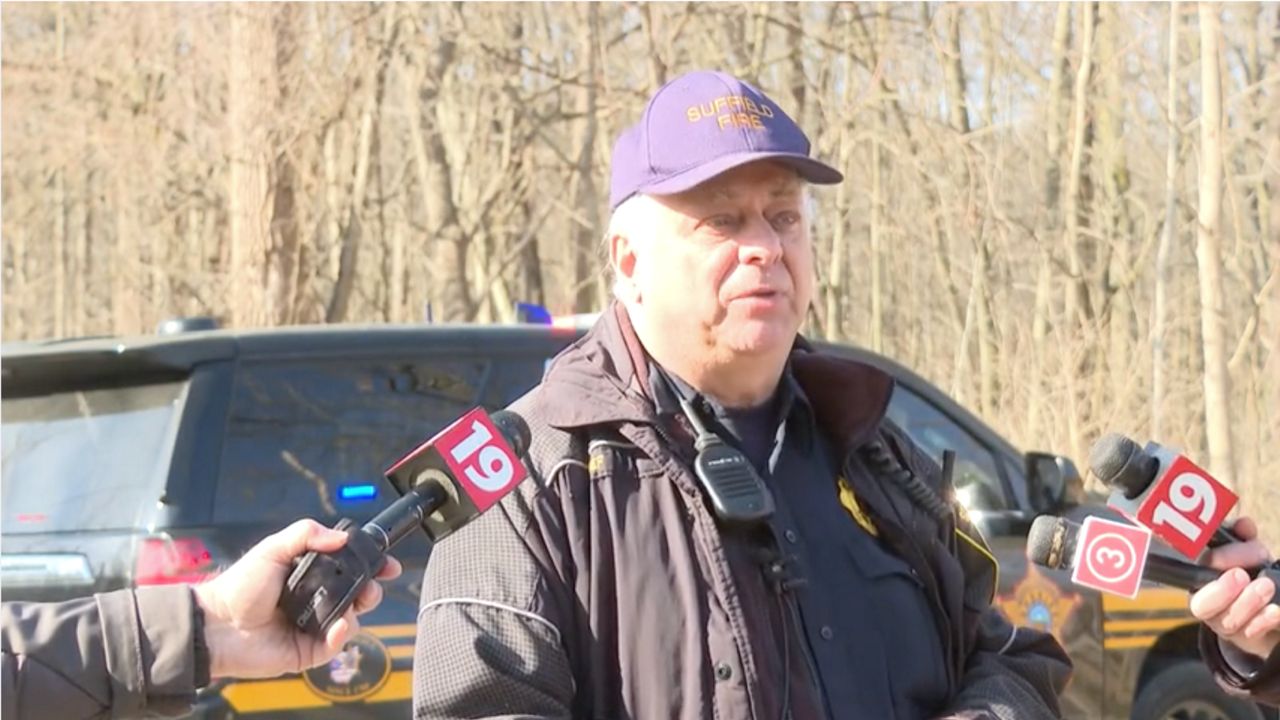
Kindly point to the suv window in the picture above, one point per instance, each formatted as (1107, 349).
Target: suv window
(977, 477)
(86, 460)
(298, 431)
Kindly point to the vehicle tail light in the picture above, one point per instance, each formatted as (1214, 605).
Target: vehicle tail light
(165, 561)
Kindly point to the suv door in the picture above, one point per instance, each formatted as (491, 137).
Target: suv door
(310, 437)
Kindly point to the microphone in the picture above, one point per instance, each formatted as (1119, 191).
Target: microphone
(444, 483)
(1053, 543)
(1158, 488)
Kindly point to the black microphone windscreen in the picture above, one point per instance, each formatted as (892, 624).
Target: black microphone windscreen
(514, 429)
(1052, 542)
(1120, 463)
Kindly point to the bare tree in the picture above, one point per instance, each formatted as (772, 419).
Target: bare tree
(588, 229)
(435, 173)
(1217, 405)
(252, 101)
(1168, 232)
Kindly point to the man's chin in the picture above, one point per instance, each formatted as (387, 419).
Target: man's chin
(757, 338)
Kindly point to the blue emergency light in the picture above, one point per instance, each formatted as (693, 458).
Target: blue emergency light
(354, 493)
(532, 313)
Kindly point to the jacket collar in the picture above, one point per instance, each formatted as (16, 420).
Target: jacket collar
(603, 378)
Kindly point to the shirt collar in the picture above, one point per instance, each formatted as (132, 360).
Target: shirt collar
(792, 405)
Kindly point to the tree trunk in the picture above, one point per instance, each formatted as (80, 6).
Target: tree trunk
(754, 48)
(838, 268)
(953, 71)
(585, 249)
(282, 279)
(837, 286)
(793, 67)
(959, 368)
(445, 235)
(353, 227)
(82, 298)
(1040, 324)
(1055, 131)
(1217, 394)
(1079, 310)
(251, 102)
(395, 310)
(1111, 113)
(125, 305)
(986, 331)
(1059, 89)
(366, 152)
(15, 315)
(61, 238)
(994, 67)
(1255, 69)
(1114, 310)
(657, 68)
(932, 206)
(1168, 235)
(877, 250)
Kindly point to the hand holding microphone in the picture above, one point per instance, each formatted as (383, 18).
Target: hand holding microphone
(245, 634)
(1112, 557)
(1242, 612)
(444, 484)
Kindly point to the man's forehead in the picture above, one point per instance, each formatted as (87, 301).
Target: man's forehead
(779, 180)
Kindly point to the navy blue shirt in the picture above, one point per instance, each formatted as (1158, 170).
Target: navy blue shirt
(864, 616)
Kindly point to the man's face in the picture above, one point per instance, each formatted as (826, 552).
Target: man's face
(728, 264)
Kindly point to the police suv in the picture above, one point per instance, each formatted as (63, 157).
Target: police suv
(158, 459)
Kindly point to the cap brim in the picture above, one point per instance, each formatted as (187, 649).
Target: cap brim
(814, 171)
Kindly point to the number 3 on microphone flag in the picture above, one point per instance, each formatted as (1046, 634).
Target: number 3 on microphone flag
(1110, 556)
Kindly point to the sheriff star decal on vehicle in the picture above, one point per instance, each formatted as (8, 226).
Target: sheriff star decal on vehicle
(358, 671)
(1038, 602)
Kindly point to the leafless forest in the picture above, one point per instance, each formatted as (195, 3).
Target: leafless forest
(1061, 213)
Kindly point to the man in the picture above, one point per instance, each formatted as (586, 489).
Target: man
(145, 651)
(641, 574)
(1240, 638)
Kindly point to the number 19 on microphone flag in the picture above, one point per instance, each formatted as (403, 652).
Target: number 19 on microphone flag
(1110, 556)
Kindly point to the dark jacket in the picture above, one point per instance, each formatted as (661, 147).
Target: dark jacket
(603, 587)
(128, 653)
(1262, 686)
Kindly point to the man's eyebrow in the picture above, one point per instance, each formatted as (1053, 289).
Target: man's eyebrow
(782, 188)
(787, 188)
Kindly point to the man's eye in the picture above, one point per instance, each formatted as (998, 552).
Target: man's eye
(722, 222)
(786, 219)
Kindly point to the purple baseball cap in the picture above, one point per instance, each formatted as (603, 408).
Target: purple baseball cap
(700, 125)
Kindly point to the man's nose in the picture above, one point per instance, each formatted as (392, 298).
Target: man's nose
(760, 244)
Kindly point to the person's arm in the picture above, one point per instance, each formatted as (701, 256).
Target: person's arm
(490, 625)
(1240, 634)
(145, 652)
(1013, 673)
(1010, 673)
(115, 654)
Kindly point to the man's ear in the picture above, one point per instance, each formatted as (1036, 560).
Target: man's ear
(622, 256)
